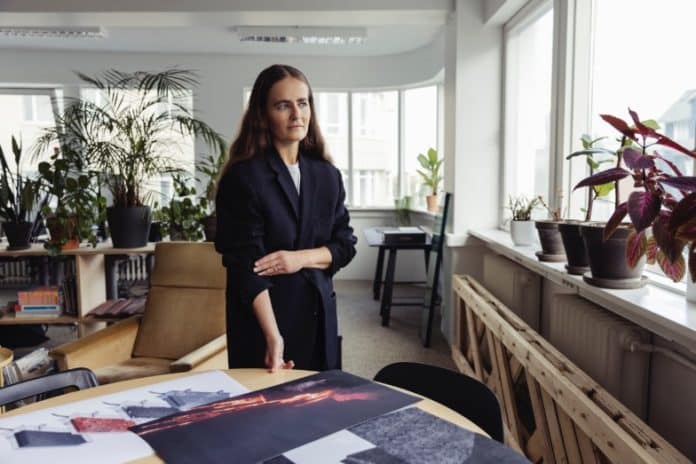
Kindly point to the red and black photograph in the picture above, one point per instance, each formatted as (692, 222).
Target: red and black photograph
(263, 424)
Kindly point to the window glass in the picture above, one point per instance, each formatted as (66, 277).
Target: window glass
(420, 134)
(24, 116)
(528, 107)
(332, 115)
(375, 148)
(664, 91)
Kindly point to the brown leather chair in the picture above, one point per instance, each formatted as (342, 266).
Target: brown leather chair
(182, 328)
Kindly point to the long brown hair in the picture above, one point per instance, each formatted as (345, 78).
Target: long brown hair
(254, 135)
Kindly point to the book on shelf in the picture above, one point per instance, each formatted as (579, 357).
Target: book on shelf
(40, 296)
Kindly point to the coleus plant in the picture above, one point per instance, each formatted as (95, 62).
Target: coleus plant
(671, 217)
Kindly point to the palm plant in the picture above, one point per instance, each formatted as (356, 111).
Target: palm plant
(130, 136)
(19, 196)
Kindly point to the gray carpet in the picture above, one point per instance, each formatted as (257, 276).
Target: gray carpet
(367, 346)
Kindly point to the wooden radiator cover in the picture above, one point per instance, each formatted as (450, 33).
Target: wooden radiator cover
(552, 411)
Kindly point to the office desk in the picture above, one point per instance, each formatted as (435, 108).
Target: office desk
(375, 238)
(254, 379)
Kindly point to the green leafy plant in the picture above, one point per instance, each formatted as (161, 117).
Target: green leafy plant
(555, 213)
(183, 214)
(591, 150)
(20, 197)
(211, 167)
(131, 136)
(521, 207)
(431, 169)
(402, 210)
(79, 205)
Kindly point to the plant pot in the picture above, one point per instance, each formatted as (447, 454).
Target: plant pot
(690, 289)
(608, 266)
(129, 226)
(522, 232)
(431, 201)
(63, 232)
(155, 234)
(551, 242)
(18, 234)
(176, 233)
(209, 227)
(576, 253)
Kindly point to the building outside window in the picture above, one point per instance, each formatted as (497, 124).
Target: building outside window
(528, 61)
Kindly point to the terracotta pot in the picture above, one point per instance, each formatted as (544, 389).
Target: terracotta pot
(522, 232)
(431, 200)
(68, 233)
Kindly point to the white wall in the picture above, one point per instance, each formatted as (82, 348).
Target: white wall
(473, 57)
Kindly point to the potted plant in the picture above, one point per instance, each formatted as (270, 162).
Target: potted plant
(549, 236)
(662, 210)
(130, 137)
(521, 224)
(402, 211)
(570, 230)
(211, 167)
(431, 176)
(78, 206)
(182, 215)
(20, 200)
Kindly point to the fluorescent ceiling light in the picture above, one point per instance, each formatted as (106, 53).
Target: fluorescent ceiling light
(54, 32)
(302, 35)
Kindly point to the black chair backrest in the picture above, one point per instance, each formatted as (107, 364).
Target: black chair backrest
(432, 295)
(79, 378)
(465, 395)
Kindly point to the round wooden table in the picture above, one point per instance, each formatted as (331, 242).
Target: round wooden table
(253, 379)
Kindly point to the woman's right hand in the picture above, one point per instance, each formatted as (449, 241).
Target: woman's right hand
(274, 355)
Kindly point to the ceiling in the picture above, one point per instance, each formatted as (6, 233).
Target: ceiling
(176, 26)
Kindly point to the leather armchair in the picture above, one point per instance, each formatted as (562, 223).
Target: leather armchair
(182, 328)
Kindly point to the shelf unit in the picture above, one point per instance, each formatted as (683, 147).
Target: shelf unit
(90, 277)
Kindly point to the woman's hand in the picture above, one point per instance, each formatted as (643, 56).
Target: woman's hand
(280, 262)
(274, 355)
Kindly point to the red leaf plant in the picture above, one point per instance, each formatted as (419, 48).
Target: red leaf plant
(670, 215)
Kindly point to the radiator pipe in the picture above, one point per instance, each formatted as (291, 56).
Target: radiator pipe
(671, 354)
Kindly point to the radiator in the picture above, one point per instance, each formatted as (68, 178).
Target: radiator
(516, 287)
(597, 341)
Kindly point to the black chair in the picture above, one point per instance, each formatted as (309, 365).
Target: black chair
(49, 385)
(465, 395)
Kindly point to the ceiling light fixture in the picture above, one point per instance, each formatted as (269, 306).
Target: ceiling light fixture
(54, 32)
(302, 35)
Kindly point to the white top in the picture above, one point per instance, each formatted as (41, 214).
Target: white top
(294, 170)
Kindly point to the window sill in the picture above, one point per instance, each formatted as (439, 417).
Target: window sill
(659, 307)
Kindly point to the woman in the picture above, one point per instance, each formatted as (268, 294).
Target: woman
(283, 231)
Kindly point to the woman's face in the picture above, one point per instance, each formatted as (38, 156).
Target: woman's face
(288, 111)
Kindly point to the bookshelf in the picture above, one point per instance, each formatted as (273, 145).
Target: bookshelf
(90, 276)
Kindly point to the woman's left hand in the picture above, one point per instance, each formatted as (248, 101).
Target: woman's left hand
(279, 262)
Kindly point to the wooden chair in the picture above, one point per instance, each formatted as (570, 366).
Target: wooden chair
(182, 328)
(464, 394)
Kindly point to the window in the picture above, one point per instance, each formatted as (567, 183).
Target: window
(375, 148)
(420, 134)
(374, 141)
(528, 60)
(660, 85)
(24, 113)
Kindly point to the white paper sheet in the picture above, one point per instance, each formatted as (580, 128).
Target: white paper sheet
(104, 447)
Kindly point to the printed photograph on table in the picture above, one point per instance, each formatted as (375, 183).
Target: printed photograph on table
(398, 438)
(97, 429)
(266, 423)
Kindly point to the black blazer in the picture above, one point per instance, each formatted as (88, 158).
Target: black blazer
(259, 212)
